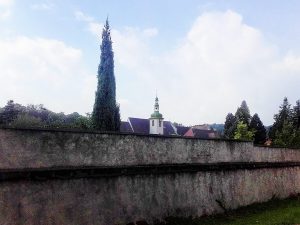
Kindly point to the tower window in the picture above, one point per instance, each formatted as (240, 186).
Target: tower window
(152, 123)
(160, 123)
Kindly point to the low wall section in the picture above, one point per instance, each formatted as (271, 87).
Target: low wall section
(62, 177)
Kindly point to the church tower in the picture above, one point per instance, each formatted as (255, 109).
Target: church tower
(156, 120)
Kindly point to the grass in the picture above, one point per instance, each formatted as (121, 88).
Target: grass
(274, 212)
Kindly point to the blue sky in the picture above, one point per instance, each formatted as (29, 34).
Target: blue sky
(202, 57)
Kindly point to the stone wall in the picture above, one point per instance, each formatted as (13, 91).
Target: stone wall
(46, 148)
(209, 185)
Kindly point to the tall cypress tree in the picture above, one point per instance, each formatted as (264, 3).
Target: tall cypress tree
(106, 116)
(259, 129)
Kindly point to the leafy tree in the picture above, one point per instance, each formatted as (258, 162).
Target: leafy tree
(230, 126)
(56, 120)
(259, 129)
(26, 120)
(16, 115)
(10, 112)
(243, 133)
(243, 113)
(83, 122)
(106, 116)
(283, 115)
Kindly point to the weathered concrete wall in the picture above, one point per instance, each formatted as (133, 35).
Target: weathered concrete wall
(38, 149)
(121, 199)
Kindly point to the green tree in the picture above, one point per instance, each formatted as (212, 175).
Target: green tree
(296, 115)
(243, 133)
(106, 116)
(259, 129)
(230, 126)
(10, 112)
(17, 115)
(296, 139)
(117, 118)
(243, 113)
(284, 114)
(24, 120)
(286, 136)
(296, 124)
(83, 122)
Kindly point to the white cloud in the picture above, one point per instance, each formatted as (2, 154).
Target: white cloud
(38, 70)
(95, 28)
(223, 61)
(131, 49)
(5, 9)
(150, 32)
(6, 3)
(130, 43)
(83, 17)
(5, 14)
(219, 62)
(289, 64)
(92, 26)
(42, 6)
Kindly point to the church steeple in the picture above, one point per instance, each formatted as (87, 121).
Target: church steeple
(156, 113)
(156, 120)
(156, 105)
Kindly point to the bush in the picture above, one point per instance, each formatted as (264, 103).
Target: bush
(25, 120)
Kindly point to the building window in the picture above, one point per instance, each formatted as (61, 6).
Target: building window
(152, 123)
(160, 123)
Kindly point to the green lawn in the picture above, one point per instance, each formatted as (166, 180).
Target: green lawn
(274, 212)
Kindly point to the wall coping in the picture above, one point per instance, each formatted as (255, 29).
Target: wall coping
(79, 172)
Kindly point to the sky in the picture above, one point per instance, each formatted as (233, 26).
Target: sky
(202, 58)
